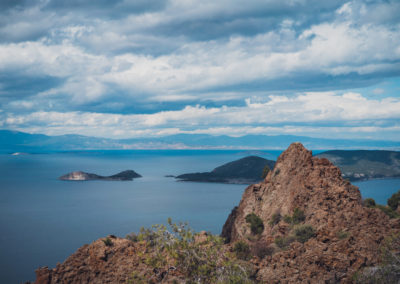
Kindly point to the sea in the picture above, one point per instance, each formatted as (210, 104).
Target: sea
(43, 220)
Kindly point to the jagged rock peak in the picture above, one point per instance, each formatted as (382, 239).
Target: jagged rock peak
(329, 204)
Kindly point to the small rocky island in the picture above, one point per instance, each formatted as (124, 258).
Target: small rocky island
(82, 176)
(243, 171)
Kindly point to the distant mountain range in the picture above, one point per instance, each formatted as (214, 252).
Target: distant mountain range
(14, 141)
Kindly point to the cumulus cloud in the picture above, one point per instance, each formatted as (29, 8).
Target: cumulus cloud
(310, 112)
(185, 64)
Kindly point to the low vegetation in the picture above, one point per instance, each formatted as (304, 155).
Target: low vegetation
(369, 202)
(265, 172)
(394, 201)
(297, 217)
(285, 241)
(343, 235)
(108, 242)
(242, 250)
(256, 224)
(275, 219)
(196, 258)
(388, 210)
(303, 233)
(389, 270)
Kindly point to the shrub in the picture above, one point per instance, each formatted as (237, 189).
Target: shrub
(132, 237)
(198, 262)
(303, 233)
(265, 171)
(275, 219)
(394, 201)
(242, 250)
(369, 202)
(256, 224)
(342, 235)
(388, 211)
(284, 242)
(277, 171)
(297, 217)
(287, 219)
(108, 242)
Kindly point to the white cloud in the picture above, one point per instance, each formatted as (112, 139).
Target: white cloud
(347, 111)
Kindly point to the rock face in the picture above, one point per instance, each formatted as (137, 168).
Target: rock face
(81, 176)
(347, 234)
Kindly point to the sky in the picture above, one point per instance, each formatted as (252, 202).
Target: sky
(145, 68)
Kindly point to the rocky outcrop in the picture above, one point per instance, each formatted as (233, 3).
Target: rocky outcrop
(347, 234)
(81, 176)
(107, 260)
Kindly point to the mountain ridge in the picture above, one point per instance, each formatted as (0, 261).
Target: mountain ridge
(15, 141)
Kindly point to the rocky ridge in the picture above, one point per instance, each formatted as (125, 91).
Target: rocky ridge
(347, 234)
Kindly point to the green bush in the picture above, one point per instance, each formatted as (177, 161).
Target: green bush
(108, 242)
(242, 250)
(205, 262)
(275, 219)
(284, 242)
(394, 201)
(369, 202)
(256, 224)
(265, 171)
(342, 235)
(297, 217)
(303, 233)
(388, 211)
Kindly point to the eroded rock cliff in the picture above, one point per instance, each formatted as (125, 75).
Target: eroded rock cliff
(346, 234)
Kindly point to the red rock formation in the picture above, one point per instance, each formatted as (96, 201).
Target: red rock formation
(347, 236)
(99, 263)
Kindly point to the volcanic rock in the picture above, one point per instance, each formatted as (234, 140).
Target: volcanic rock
(347, 234)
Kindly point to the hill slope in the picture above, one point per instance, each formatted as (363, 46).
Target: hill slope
(365, 164)
(245, 170)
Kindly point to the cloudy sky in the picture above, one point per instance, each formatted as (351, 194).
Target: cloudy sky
(140, 68)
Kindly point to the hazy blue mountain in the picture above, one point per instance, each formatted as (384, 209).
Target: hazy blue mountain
(246, 170)
(363, 164)
(13, 141)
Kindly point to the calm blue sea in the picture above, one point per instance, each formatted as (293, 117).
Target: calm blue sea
(44, 220)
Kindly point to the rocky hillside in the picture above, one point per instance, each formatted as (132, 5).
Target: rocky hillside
(246, 170)
(310, 222)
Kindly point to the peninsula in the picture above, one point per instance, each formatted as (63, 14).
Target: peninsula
(243, 171)
(358, 165)
(82, 176)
